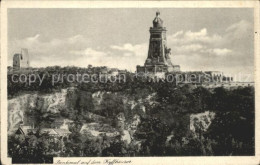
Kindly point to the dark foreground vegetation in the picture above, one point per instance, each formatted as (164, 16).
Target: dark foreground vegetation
(164, 128)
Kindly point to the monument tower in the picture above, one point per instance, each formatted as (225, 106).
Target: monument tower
(158, 60)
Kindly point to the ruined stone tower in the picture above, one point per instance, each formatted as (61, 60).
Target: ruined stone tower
(21, 60)
(158, 60)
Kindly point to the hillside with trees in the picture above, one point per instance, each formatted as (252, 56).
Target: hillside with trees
(164, 114)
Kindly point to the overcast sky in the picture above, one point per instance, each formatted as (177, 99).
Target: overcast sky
(200, 39)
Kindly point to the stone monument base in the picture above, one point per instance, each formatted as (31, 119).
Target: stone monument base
(158, 68)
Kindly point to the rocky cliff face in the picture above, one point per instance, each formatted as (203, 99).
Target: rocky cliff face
(200, 122)
(69, 98)
(17, 107)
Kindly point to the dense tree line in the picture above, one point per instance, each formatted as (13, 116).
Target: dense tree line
(164, 128)
(231, 132)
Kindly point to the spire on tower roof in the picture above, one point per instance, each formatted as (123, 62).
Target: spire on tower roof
(157, 22)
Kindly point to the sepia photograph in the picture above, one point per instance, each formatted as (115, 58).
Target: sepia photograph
(128, 82)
